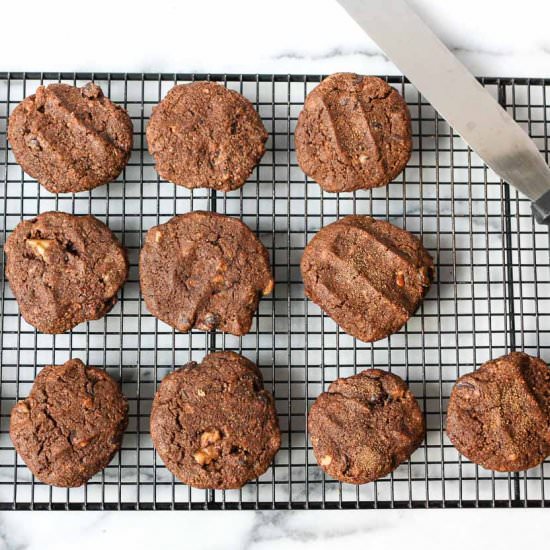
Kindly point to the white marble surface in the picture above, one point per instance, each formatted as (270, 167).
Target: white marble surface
(492, 37)
(350, 530)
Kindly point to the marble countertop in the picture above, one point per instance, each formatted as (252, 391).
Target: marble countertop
(493, 38)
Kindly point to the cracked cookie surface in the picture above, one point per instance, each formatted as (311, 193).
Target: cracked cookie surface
(70, 139)
(64, 270)
(364, 426)
(71, 424)
(205, 135)
(354, 132)
(499, 415)
(368, 275)
(213, 424)
(204, 270)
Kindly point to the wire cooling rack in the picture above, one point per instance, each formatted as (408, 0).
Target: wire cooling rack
(491, 296)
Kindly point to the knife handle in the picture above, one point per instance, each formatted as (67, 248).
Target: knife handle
(541, 208)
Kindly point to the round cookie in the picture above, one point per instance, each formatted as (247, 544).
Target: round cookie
(499, 415)
(364, 426)
(64, 270)
(213, 424)
(70, 139)
(204, 135)
(204, 270)
(71, 425)
(354, 132)
(367, 275)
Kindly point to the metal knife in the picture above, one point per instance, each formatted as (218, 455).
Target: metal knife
(457, 96)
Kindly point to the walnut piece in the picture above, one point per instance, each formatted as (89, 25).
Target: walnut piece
(210, 437)
(325, 460)
(217, 279)
(269, 288)
(81, 443)
(39, 246)
(206, 455)
(222, 266)
(208, 452)
(34, 144)
(400, 279)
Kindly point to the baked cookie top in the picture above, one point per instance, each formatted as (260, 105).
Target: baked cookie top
(64, 270)
(70, 139)
(499, 415)
(204, 270)
(205, 135)
(354, 132)
(213, 424)
(71, 424)
(368, 275)
(364, 426)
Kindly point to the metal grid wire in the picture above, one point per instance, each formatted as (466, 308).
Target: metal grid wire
(491, 296)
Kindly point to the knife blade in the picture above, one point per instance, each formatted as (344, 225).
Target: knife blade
(456, 94)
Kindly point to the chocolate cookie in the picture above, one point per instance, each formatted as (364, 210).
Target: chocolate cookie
(368, 275)
(204, 135)
(213, 424)
(64, 270)
(499, 415)
(364, 426)
(70, 139)
(71, 425)
(353, 133)
(204, 270)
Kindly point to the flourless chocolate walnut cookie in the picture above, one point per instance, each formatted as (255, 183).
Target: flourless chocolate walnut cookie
(205, 135)
(364, 426)
(499, 415)
(353, 133)
(368, 275)
(213, 424)
(71, 424)
(70, 139)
